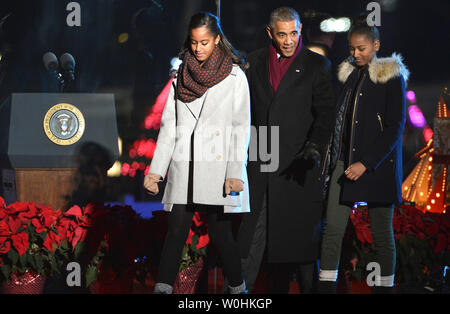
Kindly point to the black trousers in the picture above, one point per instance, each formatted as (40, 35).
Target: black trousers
(279, 274)
(220, 233)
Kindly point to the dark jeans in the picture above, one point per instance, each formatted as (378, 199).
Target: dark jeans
(220, 233)
(337, 215)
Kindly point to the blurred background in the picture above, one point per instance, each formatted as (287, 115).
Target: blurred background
(125, 47)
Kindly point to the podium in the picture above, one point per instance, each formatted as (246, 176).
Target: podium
(40, 135)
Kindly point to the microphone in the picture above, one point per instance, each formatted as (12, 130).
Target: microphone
(68, 64)
(51, 64)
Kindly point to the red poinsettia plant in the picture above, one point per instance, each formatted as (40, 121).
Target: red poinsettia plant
(422, 242)
(196, 243)
(110, 239)
(35, 238)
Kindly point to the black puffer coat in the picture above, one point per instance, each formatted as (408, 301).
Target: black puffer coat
(377, 123)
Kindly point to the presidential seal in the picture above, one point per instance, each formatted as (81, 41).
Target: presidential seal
(64, 124)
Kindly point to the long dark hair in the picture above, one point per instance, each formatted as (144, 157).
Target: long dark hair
(212, 23)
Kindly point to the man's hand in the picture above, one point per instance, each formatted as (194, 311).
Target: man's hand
(151, 183)
(355, 171)
(233, 185)
(310, 153)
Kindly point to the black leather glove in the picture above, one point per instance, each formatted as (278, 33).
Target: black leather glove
(310, 152)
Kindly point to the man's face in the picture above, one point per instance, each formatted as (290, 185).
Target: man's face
(285, 36)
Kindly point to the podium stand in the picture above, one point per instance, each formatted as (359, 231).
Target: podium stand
(40, 135)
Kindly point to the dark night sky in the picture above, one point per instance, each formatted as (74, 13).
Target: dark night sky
(420, 33)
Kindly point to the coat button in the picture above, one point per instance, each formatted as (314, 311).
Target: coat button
(391, 160)
(360, 94)
(217, 133)
(356, 122)
(354, 149)
(219, 157)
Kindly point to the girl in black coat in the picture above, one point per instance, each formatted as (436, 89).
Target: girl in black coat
(365, 153)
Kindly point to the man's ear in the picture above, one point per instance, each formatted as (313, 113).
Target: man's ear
(269, 32)
(300, 29)
(217, 40)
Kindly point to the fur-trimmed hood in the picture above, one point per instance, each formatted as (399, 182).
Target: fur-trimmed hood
(381, 70)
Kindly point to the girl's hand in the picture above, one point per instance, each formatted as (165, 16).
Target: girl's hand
(233, 185)
(151, 183)
(355, 171)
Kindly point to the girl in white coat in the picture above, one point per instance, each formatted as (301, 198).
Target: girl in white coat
(203, 143)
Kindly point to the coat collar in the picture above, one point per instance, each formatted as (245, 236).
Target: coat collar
(380, 70)
(263, 70)
(294, 70)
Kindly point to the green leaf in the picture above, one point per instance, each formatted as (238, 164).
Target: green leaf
(64, 254)
(51, 259)
(6, 271)
(78, 249)
(24, 260)
(13, 256)
(195, 239)
(91, 275)
(32, 261)
(34, 247)
(43, 235)
(39, 261)
(65, 244)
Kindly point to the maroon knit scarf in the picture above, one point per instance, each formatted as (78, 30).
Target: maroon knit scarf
(277, 69)
(194, 80)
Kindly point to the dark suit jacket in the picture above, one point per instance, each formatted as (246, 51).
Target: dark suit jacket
(303, 109)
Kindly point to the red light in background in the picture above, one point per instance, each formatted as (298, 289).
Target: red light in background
(125, 169)
(427, 134)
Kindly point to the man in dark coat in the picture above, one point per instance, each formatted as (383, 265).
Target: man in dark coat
(292, 99)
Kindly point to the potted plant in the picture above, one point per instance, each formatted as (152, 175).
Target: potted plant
(112, 241)
(192, 260)
(33, 245)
